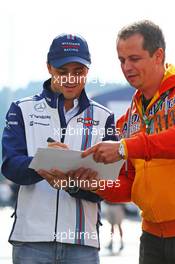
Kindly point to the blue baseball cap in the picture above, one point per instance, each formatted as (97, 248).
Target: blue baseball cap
(67, 48)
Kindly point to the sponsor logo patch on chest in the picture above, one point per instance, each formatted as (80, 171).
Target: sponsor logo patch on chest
(88, 121)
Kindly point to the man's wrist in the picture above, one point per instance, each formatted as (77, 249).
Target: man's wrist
(95, 190)
(98, 186)
(73, 189)
(122, 150)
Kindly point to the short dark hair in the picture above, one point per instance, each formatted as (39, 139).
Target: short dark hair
(152, 35)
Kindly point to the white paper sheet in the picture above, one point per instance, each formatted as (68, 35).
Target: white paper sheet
(65, 160)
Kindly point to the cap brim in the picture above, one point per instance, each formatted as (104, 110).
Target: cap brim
(60, 62)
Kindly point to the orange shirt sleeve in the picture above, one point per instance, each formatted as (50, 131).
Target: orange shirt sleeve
(120, 190)
(143, 146)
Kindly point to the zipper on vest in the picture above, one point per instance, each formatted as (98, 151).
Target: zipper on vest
(56, 219)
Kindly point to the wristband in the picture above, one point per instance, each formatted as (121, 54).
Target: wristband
(121, 150)
(73, 190)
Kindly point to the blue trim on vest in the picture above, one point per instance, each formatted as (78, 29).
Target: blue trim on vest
(80, 223)
(86, 143)
(87, 130)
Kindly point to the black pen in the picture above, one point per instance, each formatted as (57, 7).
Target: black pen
(50, 140)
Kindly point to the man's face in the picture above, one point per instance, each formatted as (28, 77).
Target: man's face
(69, 79)
(137, 65)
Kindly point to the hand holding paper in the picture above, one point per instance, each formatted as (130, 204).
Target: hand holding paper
(56, 178)
(66, 160)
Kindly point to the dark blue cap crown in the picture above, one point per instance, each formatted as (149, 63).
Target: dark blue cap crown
(67, 48)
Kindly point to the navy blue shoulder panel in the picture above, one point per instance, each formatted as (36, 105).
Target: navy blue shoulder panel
(110, 129)
(36, 97)
(14, 150)
(100, 106)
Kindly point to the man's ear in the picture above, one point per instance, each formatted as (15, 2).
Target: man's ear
(160, 54)
(49, 67)
(87, 70)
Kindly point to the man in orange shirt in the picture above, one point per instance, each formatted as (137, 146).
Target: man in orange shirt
(147, 134)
